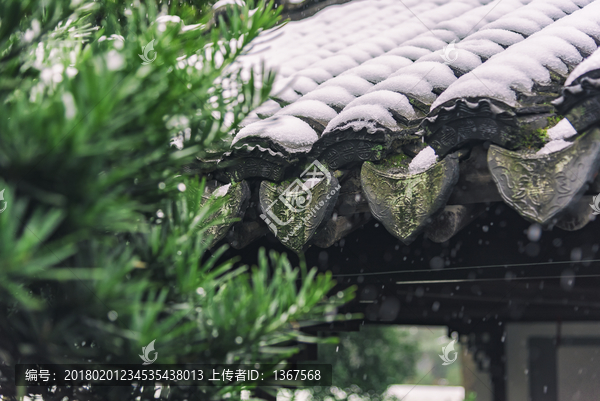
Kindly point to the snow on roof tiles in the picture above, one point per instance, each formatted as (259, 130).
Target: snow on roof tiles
(499, 36)
(294, 134)
(530, 61)
(429, 73)
(310, 109)
(580, 97)
(390, 100)
(385, 76)
(402, 88)
(363, 63)
(331, 30)
(589, 64)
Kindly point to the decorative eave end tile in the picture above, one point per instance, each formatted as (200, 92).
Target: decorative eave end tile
(540, 187)
(404, 202)
(234, 207)
(294, 208)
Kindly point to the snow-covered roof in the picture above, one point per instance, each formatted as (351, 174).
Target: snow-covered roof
(555, 47)
(581, 94)
(589, 65)
(381, 66)
(371, 79)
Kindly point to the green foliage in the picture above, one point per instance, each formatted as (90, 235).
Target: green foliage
(430, 370)
(368, 361)
(397, 161)
(471, 397)
(534, 140)
(103, 243)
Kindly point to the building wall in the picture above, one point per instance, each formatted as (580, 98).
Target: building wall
(576, 358)
(578, 373)
(475, 380)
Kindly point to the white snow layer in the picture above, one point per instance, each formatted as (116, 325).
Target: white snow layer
(318, 75)
(484, 48)
(390, 100)
(345, 36)
(529, 61)
(410, 52)
(286, 95)
(411, 85)
(334, 96)
(437, 74)
(289, 131)
(499, 36)
(367, 116)
(312, 109)
(344, 49)
(250, 119)
(562, 130)
(373, 72)
(389, 60)
(553, 146)
(355, 85)
(302, 84)
(346, 33)
(422, 161)
(221, 191)
(462, 60)
(589, 64)
(267, 109)
(222, 3)
(429, 72)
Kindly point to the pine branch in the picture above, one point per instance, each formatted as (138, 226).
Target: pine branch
(103, 246)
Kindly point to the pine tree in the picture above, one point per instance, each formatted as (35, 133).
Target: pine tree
(103, 242)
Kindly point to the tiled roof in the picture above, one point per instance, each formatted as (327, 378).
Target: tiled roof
(365, 57)
(371, 80)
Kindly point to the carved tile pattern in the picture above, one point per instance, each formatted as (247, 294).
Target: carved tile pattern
(459, 132)
(541, 187)
(235, 207)
(404, 203)
(350, 151)
(293, 212)
(254, 167)
(465, 121)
